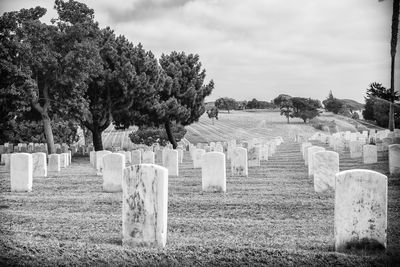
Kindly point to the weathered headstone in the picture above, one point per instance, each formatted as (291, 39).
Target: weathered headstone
(370, 154)
(148, 157)
(213, 172)
(144, 205)
(21, 172)
(54, 163)
(239, 161)
(360, 210)
(113, 172)
(356, 149)
(39, 164)
(326, 166)
(311, 151)
(394, 159)
(198, 157)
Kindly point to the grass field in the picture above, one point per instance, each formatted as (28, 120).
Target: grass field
(273, 217)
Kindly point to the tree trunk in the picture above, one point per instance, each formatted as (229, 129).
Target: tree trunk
(171, 137)
(48, 133)
(393, 44)
(97, 141)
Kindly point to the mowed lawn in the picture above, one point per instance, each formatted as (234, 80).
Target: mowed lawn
(273, 217)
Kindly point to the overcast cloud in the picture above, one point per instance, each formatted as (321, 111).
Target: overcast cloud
(261, 48)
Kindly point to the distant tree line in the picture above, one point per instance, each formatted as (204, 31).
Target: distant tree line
(72, 73)
(298, 107)
(226, 103)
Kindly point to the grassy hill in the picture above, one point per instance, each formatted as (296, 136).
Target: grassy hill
(352, 104)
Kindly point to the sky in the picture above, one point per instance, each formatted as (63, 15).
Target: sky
(260, 48)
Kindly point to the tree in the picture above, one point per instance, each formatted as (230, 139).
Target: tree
(305, 108)
(226, 103)
(151, 135)
(285, 105)
(212, 113)
(332, 104)
(393, 44)
(46, 64)
(377, 104)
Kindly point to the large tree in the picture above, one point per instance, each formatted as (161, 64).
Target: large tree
(305, 108)
(226, 103)
(332, 104)
(47, 64)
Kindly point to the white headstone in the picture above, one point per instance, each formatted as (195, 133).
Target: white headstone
(370, 154)
(311, 151)
(180, 155)
(144, 205)
(148, 157)
(54, 163)
(113, 171)
(99, 160)
(92, 157)
(303, 148)
(136, 157)
(21, 171)
(326, 166)
(171, 162)
(394, 159)
(39, 164)
(360, 209)
(213, 172)
(253, 156)
(198, 157)
(239, 161)
(356, 149)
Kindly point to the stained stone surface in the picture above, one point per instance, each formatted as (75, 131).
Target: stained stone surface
(394, 159)
(113, 172)
(253, 156)
(171, 162)
(213, 172)
(360, 209)
(54, 163)
(99, 160)
(21, 171)
(356, 149)
(311, 151)
(198, 157)
(144, 206)
(39, 164)
(5, 159)
(136, 157)
(370, 154)
(148, 157)
(239, 161)
(326, 166)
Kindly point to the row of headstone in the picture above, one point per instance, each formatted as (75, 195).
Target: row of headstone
(24, 167)
(360, 195)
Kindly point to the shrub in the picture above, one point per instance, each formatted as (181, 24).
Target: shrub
(151, 135)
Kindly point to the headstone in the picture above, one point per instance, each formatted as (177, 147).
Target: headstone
(99, 160)
(213, 172)
(356, 149)
(171, 162)
(180, 155)
(63, 160)
(5, 159)
(264, 152)
(253, 156)
(303, 148)
(219, 148)
(326, 166)
(113, 172)
(360, 210)
(148, 157)
(21, 172)
(394, 159)
(370, 154)
(198, 157)
(136, 157)
(144, 206)
(39, 164)
(92, 157)
(239, 161)
(54, 163)
(386, 142)
(311, 151)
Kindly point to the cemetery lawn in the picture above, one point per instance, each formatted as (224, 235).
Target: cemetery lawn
(273, 217)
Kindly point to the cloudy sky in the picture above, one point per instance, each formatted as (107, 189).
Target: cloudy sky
(261, 48)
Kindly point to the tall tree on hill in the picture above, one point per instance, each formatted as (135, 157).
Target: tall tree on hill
(175, 95)
(332, 104)
(46, 64)
(393, 44)
(305, 108)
